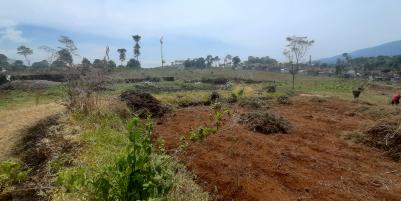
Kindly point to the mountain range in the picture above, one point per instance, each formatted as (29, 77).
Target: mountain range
(386, 49)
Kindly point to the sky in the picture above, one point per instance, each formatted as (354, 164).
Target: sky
(197, 28)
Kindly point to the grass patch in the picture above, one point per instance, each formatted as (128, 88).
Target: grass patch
(12, 98)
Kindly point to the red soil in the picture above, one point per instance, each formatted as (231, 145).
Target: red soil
(312, 162)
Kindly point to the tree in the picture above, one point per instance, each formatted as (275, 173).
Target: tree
(122, 55)
(86, 64)
(58, 64)
(216, 59)
(209, 60)
(133, 63)
(98, 63)
(18, 65)
(40, 65)
(111, 64)
(64, 55)
(228, 58)
(3, 62)
(295, 51)
(25, 51)
(68, 44)
(137, 47)
(51, 53)
(236, 61)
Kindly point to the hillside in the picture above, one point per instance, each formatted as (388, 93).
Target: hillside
(386, 49)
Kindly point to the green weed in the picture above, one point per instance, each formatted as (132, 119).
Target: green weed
(12, 171)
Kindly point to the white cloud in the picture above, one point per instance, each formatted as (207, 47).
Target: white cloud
(9, 32)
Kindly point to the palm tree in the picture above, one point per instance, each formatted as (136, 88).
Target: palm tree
(137, 47)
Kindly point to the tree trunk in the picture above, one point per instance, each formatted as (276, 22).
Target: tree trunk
(293, 76)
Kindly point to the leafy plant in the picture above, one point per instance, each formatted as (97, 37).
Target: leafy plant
(201, 132)
(73, 180)
(138, 175)
(12, 171)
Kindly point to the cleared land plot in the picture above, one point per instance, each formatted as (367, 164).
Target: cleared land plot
(311, 162)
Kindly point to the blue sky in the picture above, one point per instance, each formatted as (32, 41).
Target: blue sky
(197, 28)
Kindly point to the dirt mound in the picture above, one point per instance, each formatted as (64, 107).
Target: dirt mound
(386, 135)
(143, 104)
(29, 84)
(265, 122)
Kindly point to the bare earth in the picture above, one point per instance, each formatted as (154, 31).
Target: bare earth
(14, 121)
(311, 162)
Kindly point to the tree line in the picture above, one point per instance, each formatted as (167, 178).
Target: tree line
(62, 57)
(210, 61)
(364, 65)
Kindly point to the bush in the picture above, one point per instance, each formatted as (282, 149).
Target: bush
(12, 171)
(139, 175)
(265, 122)
(284, 100)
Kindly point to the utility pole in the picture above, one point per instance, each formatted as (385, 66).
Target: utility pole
(161, 50)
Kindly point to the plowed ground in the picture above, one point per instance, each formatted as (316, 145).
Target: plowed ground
(312, 162)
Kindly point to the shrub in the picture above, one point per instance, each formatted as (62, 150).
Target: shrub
(284, 100)
(138, 175)
(12, 171)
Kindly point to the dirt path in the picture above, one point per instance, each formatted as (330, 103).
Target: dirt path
(312, 162)
(13, 121)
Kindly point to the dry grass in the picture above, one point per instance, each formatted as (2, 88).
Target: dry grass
(16, 119)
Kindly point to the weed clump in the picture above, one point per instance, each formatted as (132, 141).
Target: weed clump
(252, 103)
(284, 100)
(214, 97)
(270, 89)
(201, 132)
(12, 171)
(265, 122)
(143, 104)
(386, 135)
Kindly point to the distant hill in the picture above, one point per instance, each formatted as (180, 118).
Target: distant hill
(386, 49)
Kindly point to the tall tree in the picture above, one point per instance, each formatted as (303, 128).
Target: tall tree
(51, 53)
(68, 44)
(25, 51)
(65, 56)
(217, 60)
(122, 55)
(3, 62)
(295, 51)
(86, 63)
(209, 60)
(65, 53)
(137, 47)
(227, 59)
(236, 61)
